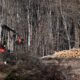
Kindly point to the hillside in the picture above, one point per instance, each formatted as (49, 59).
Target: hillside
(50, 30)
(46, 25)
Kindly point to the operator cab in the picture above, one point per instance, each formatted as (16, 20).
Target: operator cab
(7, 44)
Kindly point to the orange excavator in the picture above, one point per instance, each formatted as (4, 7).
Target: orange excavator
(8, 40)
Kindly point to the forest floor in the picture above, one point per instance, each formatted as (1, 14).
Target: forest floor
(71, 66)
(68, 59)
(67, 68)
(47, 68)
(2, 76)
(4, 70)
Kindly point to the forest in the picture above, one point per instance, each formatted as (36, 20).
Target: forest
(46, 26)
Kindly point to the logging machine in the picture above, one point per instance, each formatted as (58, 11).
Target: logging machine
(8, 40)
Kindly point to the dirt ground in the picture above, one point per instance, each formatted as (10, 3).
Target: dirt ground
(72, 65)
(68, 68)
(4, 71)
(2, 76)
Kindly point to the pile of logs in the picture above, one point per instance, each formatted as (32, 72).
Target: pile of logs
(72, 53)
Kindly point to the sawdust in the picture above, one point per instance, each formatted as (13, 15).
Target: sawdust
(72, 53)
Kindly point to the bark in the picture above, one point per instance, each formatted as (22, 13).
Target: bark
(65, 25)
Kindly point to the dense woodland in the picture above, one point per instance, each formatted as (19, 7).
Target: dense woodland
(46, 25)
